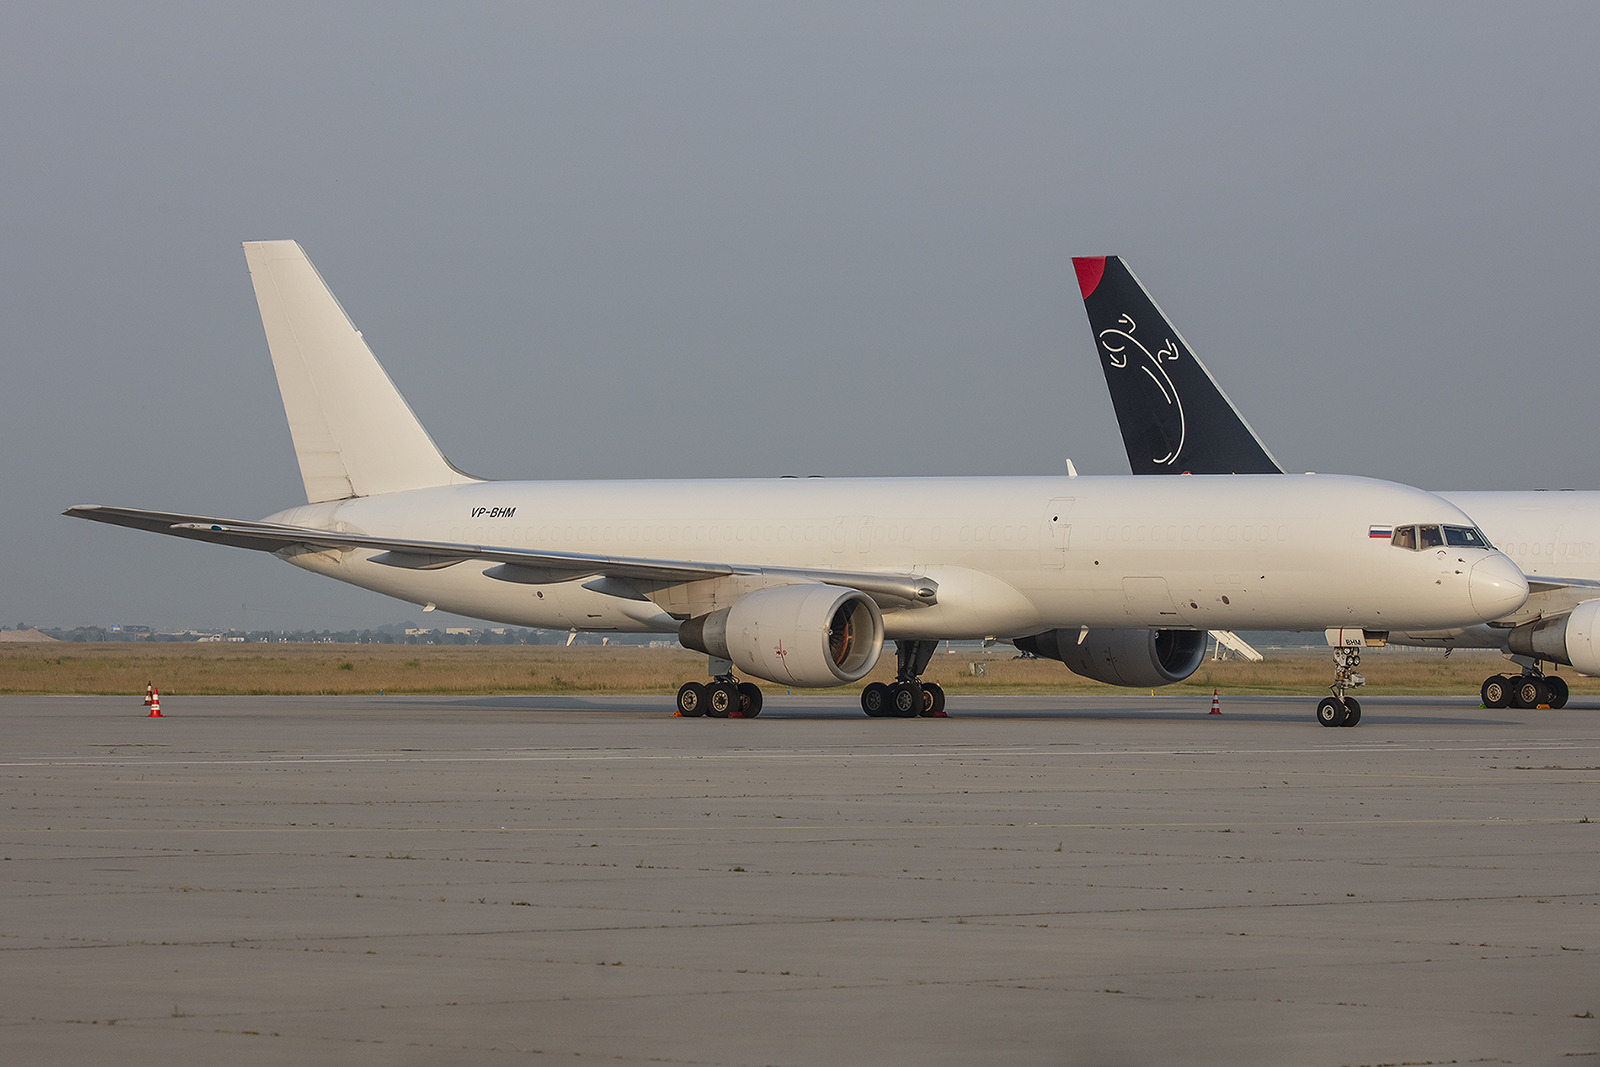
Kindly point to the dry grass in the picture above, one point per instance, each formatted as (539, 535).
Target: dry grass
(330, 670)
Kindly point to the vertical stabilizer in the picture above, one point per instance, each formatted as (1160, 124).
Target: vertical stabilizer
(1175, 418)
(354, 434)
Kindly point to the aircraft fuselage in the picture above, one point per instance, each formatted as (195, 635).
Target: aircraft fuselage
(1010, 556)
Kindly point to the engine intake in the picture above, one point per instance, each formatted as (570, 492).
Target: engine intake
(1136, 658)
(811, 636)
(1573, 638)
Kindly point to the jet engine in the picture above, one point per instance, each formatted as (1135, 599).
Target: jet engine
(1138, 658)
(1573, 638)
(804, 635)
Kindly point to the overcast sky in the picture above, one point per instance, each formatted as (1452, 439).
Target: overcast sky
(729, 240)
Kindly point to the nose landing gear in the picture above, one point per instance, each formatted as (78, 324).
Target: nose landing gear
(1340, 709)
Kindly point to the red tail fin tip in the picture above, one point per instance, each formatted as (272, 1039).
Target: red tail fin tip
(1089, 269)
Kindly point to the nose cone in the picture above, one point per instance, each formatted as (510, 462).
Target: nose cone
(1497, 588)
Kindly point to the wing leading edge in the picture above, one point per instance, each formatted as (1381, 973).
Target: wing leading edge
(512, 564)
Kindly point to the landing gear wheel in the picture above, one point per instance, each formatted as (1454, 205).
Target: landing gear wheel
(1331, 712)
(1530, 693)
(1353, 707)
(750, 699)
(692, 700)
(1496, 692)
(932, 699)
(1558, 690)
(721, 698)
(875, 700)
(906, 699)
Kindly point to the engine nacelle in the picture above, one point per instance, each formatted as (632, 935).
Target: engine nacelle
(804, 635)
(1573, 638)
(1139, 658)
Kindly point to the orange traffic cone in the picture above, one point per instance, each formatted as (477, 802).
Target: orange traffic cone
(155, 704)
(1216, 708)
(149, 691)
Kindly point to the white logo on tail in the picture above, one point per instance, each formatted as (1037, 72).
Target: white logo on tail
(1119, 344)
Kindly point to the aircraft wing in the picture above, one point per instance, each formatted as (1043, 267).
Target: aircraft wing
(1547, 583)
(525, 566)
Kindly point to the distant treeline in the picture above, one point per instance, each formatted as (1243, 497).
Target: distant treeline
(407, 633)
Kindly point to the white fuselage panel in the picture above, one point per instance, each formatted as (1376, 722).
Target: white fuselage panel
(1011, 556)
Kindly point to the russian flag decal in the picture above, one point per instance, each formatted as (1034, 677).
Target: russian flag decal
(1385, 532)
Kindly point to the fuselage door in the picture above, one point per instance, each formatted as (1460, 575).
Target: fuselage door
(1149, 601)
(1058, 532)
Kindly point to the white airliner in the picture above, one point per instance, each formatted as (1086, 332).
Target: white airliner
(800, 581)
(1176, 419)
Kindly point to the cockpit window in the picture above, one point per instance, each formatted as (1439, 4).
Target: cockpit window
(1420, 537)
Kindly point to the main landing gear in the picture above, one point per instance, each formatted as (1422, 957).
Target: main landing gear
(721, 698)
(907, 696)
(1531, 689)
(1339, 709)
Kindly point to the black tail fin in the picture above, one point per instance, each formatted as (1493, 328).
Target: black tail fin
(1175, 419)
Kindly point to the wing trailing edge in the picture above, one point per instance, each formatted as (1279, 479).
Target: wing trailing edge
(523, 566)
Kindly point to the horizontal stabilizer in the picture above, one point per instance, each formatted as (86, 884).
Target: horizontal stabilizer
(1175, 418)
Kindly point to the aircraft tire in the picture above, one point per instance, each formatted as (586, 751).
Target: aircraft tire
(692, 700)
(1496, 691)
(721, 698)
(932, 699)
(1352, 708)
(906, 699)
(875, 700)
(1558, 690)
(1530, 693)
(749, 699)
(1331, 712)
